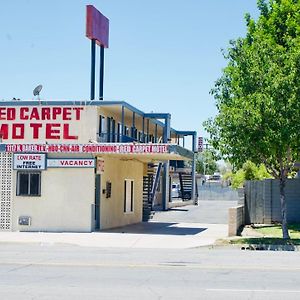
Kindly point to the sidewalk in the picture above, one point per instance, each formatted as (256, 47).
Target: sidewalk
(141, 235)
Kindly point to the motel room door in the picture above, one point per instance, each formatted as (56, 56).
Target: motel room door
(97, 201)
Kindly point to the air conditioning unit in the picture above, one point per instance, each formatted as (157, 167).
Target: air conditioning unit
(25, 221)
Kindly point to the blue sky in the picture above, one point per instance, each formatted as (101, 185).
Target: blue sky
(164, 55)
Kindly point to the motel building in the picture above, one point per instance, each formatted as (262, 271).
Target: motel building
(73, 166)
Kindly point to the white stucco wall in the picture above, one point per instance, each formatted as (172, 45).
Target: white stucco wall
(112, 209)
(65, 204)
(67, 195)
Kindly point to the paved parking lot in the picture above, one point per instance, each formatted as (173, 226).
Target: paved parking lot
(207, 211)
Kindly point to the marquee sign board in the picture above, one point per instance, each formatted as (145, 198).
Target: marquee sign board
(200, 144)
(70, 163)
(97, 26)
(40, 122)
(122, 148)
(29, 161)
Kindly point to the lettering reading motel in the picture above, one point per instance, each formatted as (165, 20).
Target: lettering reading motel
(18, 122)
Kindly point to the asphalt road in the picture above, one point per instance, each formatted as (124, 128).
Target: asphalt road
(56, 271)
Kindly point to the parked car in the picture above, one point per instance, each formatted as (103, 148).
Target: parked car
(215, 177)
(175, 191)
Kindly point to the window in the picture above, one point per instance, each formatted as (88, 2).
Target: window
(108, 126)
(140, 138)
(102, 128)
(119, 132)
(134, 133)
(151, 138)
(126, 131)
(128, 195)
(113, 130)
(28, 184)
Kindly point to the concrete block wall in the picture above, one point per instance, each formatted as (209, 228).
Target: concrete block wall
(235, 219)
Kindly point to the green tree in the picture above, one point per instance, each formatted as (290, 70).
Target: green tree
(249, 171)
(258, 95)
(206, 163)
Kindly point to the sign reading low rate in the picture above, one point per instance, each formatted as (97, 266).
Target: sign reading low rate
(29, 161)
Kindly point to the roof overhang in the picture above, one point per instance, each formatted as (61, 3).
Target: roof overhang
(136, 151)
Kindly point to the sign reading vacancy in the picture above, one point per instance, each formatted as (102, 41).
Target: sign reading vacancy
(29, 162)
(71, 163)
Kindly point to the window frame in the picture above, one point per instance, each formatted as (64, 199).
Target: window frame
(128, 203)
(28, 173)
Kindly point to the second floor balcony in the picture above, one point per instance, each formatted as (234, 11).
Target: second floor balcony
(110, 137)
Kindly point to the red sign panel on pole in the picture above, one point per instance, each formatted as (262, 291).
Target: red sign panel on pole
(200, 144)
(97, 26)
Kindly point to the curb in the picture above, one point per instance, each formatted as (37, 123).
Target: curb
(254, 247)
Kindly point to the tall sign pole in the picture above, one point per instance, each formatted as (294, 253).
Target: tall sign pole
(101, 76)
(97, 30)
(93, 65)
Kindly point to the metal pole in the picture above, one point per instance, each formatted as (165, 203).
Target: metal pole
(122, 123)
(194, 170)
(148, 122)
(93, 63)
(166, 166)
(133, 126)
(143, 130)
(101, 76)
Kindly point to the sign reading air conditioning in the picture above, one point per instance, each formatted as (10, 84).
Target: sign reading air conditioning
(71, 163)
(29, 162)
(125, 148)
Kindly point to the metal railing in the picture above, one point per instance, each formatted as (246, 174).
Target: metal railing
(105, 137)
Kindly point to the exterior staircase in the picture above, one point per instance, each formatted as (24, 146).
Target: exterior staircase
(150, 184)
(186, 186)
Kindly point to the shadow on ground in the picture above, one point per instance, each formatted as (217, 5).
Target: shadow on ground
(177, 209)
(156, 228)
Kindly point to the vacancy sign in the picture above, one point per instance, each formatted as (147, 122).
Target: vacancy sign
(71, 163)
(29, 162)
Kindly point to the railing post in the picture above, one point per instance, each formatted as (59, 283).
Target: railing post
(166, 174)
(122, 124)
(194, 169)
(93, 64)
(143, 131)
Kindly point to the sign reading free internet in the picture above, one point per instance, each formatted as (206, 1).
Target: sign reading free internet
(29, 162)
